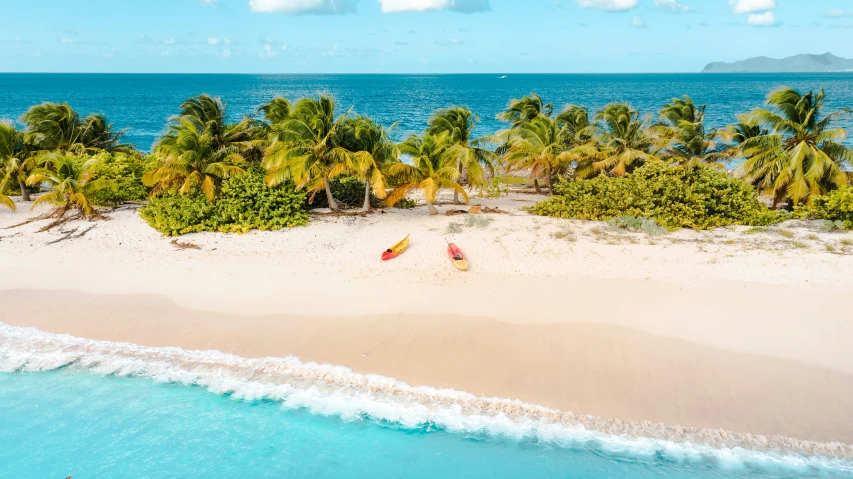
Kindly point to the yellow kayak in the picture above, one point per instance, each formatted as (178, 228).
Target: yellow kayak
(396, 250)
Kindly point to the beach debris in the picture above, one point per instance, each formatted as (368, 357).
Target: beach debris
(71, 234)
(338, 213)
(486, 209)
(9, 236)
(475, 210)
(455, 212)
(184, 245)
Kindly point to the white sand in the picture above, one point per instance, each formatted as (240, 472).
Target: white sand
(765, 296)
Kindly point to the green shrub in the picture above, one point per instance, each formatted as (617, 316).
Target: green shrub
(173, 214)
(244, 203)
(637, 225)
(124, 171)
(348, 191)
(406, 204)
(675, 197)
(835, 207)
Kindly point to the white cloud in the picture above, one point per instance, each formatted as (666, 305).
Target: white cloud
(169, 41)
(268, 52)
(226, 53)
(752, 6)
(638, 22)
(210, 3)
(67, 41)
(36, 53)
(462, 6)
(672, 6)
(213, 41)
(610, 5)
(300, 7)
(761, 19)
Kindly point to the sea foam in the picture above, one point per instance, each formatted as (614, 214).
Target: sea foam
(338, 391)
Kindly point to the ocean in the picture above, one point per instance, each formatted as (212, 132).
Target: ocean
(143, 103)
(92, 409)
(72, 407)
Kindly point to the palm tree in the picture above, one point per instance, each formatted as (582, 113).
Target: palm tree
(98, 135)
(472, 160)
(53, 127)
(57, 127)
(620, 141)
(201, 148)
(71, 182)
(736, 135)
(276, 111)
(191, 157)
(683, 137)
(5, 200)
(541, 146)
(305, 148)
(801, 155)
(433, 167)
(15, 163)
(372, 152)
(574, 119)
(525, 109)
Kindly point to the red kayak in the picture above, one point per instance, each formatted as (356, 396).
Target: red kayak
(456, 257)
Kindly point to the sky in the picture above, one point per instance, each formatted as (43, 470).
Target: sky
(412, 36)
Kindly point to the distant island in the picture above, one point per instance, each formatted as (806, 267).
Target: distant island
(796, 64)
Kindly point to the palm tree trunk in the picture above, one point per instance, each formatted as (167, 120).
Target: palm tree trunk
(536, 185)
(25, 194)
(366, 206)
(333, 205)
(456, 192)
(432, 209)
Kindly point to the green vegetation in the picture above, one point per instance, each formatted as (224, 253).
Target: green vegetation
(835, 207)
(200, 149)
(699, 197)
(124, 173)
(636, 171)
(473, 159)
(72, 183)
(243, 204)
(433, 167)
(347, 191)
(637, 225)
(801, 156)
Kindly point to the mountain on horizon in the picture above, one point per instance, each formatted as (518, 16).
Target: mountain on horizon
(804, 63)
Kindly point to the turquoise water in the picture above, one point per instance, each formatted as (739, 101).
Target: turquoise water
(67, 422)
(143, 103)
(93, 409)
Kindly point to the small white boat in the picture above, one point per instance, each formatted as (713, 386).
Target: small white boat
(503, 77)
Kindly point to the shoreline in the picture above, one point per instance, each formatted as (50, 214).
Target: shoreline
(727, 330)
(583, 368)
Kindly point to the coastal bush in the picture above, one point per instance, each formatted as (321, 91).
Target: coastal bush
(835, 207)
(347, 191)
(674, 197)
(406, 204)
(124, 172)
(243, 204)
(637, 225)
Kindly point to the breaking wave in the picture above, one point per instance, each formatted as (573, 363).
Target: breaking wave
(338, 391)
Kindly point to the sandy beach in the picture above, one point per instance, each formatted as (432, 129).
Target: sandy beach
(732, 329)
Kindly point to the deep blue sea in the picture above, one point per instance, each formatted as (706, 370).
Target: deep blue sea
(92, 409)
(142, 103)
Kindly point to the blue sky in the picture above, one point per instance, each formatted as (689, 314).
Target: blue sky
(405, 36)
